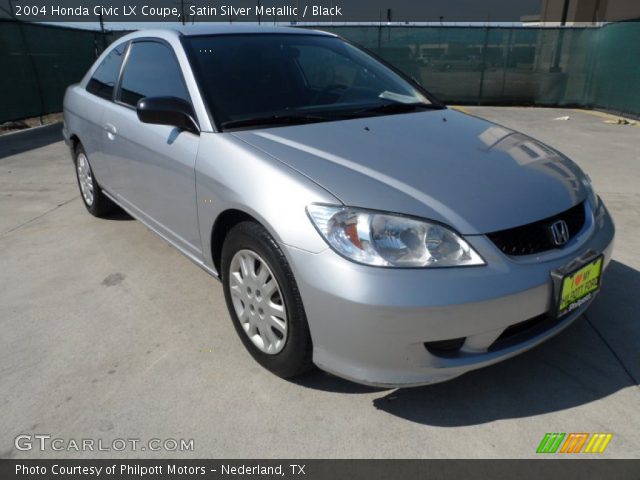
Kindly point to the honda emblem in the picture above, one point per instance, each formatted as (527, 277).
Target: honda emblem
(559, 232)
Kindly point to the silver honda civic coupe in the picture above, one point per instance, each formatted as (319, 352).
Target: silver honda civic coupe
(356, 223)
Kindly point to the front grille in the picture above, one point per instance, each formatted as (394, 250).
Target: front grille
(536, 237)
(512, 335)
(522, 331)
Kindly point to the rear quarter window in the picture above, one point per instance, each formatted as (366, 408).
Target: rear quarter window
(104, 79)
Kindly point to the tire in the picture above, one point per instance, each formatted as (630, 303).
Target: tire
(286, 351)
(96, 202)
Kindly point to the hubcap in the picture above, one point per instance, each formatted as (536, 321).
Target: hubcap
(85, 179)
(258, 301)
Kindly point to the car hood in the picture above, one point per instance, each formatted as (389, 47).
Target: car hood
(471, 174)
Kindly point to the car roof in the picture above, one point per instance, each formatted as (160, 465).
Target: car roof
(225, 28)
(219, 29)
(174, 33)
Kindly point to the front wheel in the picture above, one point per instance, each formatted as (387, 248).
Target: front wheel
(264, 302)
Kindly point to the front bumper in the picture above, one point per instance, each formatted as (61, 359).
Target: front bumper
(370, 325)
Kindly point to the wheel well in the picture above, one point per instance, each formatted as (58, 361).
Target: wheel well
(225, 222)
(75, 141)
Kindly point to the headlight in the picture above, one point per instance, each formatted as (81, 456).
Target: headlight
(591, 193)
(389, 240)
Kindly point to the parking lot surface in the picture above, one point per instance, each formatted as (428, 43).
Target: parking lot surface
(110, 333)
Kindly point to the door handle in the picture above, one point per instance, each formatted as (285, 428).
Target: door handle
(111, 130)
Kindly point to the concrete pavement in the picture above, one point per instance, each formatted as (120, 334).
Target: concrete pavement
(108, 332)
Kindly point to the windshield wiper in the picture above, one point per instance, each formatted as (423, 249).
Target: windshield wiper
(297, 119)
(394, 108)
(288, 119)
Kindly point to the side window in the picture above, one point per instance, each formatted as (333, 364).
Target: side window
(151, 71)
(105, 77)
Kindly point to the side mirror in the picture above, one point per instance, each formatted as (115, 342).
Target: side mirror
(172, 111)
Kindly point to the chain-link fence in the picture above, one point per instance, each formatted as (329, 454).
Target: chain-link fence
(588, 67)
(585, 67)
(616, 71)
(488, 65)
(38, 62)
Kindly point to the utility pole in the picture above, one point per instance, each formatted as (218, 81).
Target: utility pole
(183, 15)
(259, 12)
(103, 39)
(565, 12)
(560, 41)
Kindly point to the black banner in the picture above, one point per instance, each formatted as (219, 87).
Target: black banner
(567, 469)
(266, 11)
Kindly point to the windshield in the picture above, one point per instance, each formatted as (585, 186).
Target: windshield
(270, 79)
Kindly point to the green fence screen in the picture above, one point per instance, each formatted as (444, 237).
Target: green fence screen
(38, 62)
(586, 67)
(616, 73)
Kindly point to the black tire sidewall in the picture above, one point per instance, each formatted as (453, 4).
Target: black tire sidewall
(295, 358)
(101, 205)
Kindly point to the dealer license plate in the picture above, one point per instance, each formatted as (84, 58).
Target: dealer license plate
(579, 286)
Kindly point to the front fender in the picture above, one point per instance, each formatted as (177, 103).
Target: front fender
(231, 174)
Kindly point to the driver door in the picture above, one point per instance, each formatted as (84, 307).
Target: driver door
(153, 165)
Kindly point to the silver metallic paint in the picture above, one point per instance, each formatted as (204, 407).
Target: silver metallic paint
(367, 324)
(398, 164)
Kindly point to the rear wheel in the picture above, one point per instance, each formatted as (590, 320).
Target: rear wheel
(264, 302)
(97, 203)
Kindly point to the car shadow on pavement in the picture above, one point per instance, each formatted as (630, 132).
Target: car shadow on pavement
(595, 357)
(319, 380)
(119, 215)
